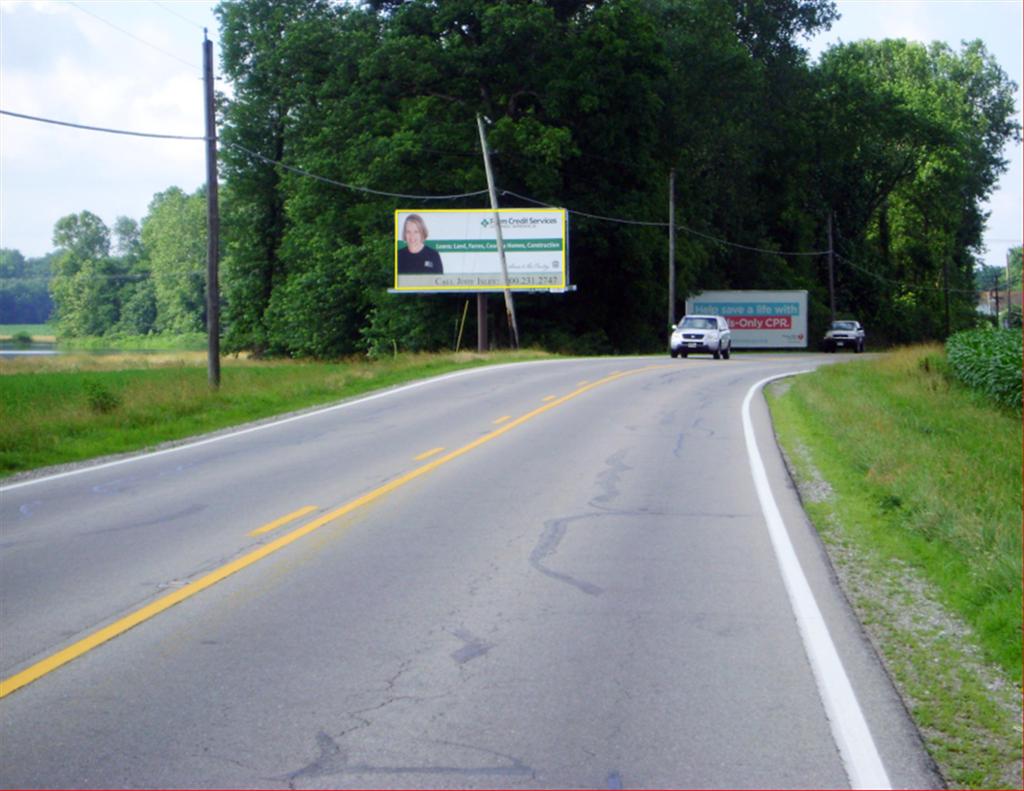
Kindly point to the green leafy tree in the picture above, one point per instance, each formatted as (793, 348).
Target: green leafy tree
(1014, 261)
(174, 237)
(137, 294)
(914, 140)
(85, 278)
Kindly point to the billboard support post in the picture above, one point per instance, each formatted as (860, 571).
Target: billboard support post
(481, 322)
(672, 247)
(509, 307)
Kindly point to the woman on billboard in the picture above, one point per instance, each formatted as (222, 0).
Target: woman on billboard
(416, 258)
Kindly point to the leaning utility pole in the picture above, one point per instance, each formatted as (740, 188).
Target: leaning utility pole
(212, 226)
(509, 307)
(672, 247)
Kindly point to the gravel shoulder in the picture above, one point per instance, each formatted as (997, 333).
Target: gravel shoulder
(967, 710)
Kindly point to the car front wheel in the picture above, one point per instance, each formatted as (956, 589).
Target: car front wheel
(727, 351)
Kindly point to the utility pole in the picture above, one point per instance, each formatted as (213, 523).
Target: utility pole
(671, 247)
(831, 270)
(945, 288)
(509, 307)
(1009, 286)
(212, 226)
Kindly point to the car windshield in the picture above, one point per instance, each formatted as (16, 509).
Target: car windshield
(698, 323)
(844, 325)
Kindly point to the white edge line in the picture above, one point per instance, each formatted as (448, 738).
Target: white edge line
(272, 423)
(850, 730)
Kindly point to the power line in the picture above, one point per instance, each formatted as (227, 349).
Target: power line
(335, 183)
(100, 128)
(903, 284)
(665, 225)
(175, 13)
(585, 214)
(132, 35)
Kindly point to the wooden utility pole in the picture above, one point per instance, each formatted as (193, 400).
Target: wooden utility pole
(831, 271)
(212, 226)
(671, 247)
(945, 288)
(509, 307)
(1009, 287)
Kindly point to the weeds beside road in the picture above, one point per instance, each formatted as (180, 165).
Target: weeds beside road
(914, 483)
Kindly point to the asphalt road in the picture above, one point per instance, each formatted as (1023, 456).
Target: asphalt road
(553, 574)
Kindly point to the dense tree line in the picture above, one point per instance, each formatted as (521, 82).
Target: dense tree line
(24, 288)
(591, 106)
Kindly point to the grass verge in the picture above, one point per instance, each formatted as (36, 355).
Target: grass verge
(69, 408)
(914, 485)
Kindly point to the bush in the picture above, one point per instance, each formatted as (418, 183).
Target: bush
(101, 400)
(988, 361)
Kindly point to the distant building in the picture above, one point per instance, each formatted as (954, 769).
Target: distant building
(988, 301)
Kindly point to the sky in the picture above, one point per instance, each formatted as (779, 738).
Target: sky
(137, 65)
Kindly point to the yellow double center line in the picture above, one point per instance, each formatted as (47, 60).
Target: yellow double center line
(119, 627)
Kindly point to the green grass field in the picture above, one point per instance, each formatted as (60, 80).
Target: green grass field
(73, 407)
(923, 483)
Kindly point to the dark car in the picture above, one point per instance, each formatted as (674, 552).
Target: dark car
(845, 334)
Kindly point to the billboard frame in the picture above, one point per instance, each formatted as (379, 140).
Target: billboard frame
(489, 280)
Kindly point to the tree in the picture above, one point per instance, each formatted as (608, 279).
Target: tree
(84, 285)
(914, 139)
(174, 237)
(1014, 261)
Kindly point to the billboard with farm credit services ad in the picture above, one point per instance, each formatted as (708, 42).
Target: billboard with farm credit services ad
(758, 319)
(457, 250)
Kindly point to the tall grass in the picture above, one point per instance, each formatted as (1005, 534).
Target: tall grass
(76, 407)
(933, 475)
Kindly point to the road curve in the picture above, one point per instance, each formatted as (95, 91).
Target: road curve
(553, 574)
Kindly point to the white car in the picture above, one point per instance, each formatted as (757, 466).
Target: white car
(845, 334)
(701, 335)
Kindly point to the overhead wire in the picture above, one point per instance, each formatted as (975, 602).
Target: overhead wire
(100, 128)
(683, 228)
(408, 196)
(168, 9)
(133, 36)
(324, 179)
(904, 284)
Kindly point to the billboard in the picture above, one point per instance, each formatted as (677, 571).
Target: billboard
(457, 250)
(758, 319)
